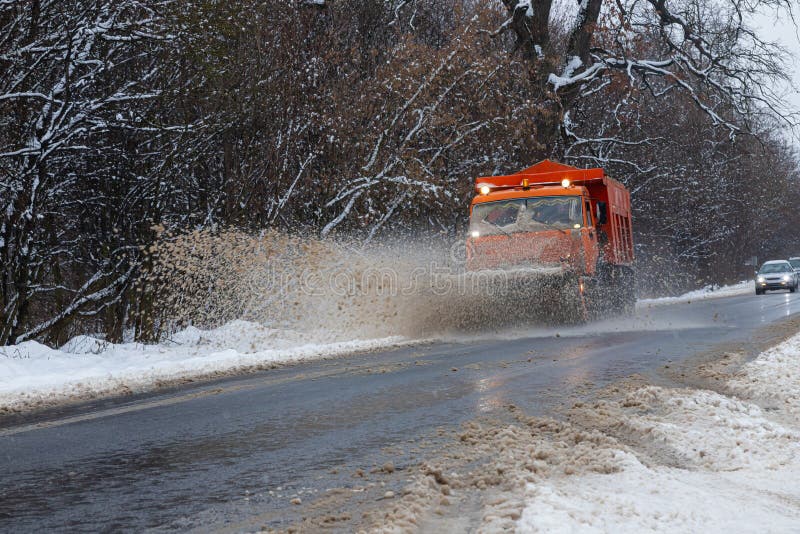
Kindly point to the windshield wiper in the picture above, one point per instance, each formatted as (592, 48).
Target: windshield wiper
(496, 226)
(553, 227)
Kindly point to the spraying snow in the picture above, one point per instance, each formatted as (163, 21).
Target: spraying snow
(340, 288)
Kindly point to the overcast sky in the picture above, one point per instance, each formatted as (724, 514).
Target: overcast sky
(783, 30)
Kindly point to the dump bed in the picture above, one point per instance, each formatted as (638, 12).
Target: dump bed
(618, 228)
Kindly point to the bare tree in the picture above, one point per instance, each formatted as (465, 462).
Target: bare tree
(706, 49)
(71, 75)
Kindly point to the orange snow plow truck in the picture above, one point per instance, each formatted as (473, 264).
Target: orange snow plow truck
(558, 239)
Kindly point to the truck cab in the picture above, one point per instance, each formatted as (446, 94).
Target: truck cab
(533, 227)
(549, 215)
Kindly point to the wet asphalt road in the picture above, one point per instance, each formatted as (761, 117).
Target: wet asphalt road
(200, 455)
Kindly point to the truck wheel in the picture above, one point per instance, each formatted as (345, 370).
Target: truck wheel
(792, 289)
(759, 291)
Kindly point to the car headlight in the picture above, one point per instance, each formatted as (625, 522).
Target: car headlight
(760, 279)
(786, 277)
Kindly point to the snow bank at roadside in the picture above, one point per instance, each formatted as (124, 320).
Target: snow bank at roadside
(33, 375)
(700, 461)
(642, 499)
(773, 379)
(744, 287)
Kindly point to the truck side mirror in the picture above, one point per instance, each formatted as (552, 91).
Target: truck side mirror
(602, 215)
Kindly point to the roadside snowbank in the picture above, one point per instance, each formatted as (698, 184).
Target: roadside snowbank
(33, 375)
(702, 462)
(773, 379)
(642, 499)
(744, 287)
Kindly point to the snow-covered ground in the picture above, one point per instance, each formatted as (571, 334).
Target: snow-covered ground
(705, 462)
(744, 287)
(33, 375)
(773, 379)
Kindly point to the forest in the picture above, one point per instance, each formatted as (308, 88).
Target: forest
(124, 123)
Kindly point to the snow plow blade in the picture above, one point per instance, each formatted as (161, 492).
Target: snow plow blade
(498, 299)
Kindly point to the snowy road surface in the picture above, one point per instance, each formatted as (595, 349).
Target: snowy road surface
(235, 453)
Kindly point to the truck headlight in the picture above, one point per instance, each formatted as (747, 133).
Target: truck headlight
(786, 277)
(760, 279)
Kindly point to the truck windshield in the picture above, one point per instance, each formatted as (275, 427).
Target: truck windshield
(526, 215)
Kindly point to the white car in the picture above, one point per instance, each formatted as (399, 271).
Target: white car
(776, 274)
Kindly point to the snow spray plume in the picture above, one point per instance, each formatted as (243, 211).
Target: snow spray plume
(208, 278)
(339, 288)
